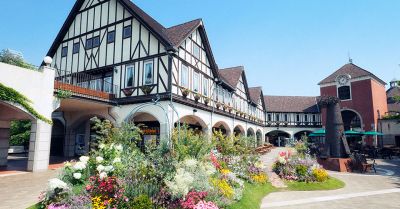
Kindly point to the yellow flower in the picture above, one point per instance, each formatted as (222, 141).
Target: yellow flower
(259, 178)
(223, 187)
(225, 171)
(320, 174)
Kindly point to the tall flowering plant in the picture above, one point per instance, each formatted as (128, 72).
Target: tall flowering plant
(106, 192)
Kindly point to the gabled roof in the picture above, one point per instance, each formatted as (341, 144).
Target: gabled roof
(291, 104)
(170, 37)
(353, 70)
(232, 75)
(393, 105)
(255, 93)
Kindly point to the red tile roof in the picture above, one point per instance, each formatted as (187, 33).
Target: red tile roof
(231, 75)
(291, 104)
(178, 33)
(255, 93)
(351, 69)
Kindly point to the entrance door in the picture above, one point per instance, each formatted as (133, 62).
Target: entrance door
(57, 139)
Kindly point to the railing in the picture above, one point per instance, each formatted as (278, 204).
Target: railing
(85, 85)
(293, 124)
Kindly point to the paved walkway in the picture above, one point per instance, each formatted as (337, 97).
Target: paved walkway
(269, 160)
(361, 191)
(20, 191)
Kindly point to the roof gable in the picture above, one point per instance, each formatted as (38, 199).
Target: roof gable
(351, 69)
(256, 96)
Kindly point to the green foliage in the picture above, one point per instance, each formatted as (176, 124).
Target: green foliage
(6, 56)
(10, 95)
(391, 117)
(252, 196)
(63, 94)
(233, 145)
(330, 184)
(189, 144)
(141, 202)
(20, 132)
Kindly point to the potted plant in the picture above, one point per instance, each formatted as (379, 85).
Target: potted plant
(206, 100)
(146, 89)
(196, 97)
(218, 105)
(185, 92)
(127, 91)
(230, 109)
(225, 107)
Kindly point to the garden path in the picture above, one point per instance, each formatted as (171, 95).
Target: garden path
(268, 160)
(21, 190)
(381, 190)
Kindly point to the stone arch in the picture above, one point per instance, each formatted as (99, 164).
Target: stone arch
(149, 125)
(278, 137)
(351, 119)
(57, 143)
(10, 111)
(299, 134)
(223, 127)
(194, 122)
(259, 137)
(239, 130)
(250, 132)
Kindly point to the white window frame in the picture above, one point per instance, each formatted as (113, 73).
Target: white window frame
(337, 92)
(205, 86)
(195, 46)
(146, 81)
(196, 82)
(132, 67)
(107, 84)
(184, 76)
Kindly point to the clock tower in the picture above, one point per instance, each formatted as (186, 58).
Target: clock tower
(362, 97)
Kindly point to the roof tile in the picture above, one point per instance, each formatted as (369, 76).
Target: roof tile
(291, 104)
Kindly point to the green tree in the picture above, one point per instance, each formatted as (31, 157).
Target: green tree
(6, 56)
(20, 132)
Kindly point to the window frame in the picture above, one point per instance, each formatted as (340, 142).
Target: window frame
(196, 82)
(145, 63)
(113, 37)
(107, 84)
(76, 48)
(89, 44)
(124, 35)
(184, 76)
(127, 67)
(349, 92)
(195, 46)
(64, 51)
(205, 86)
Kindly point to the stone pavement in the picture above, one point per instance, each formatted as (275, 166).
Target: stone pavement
(21, 190)
(361, 191)
(268, 160)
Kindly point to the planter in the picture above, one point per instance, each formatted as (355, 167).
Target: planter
(218, 105)
(230, 109)
(185, 92)
(146, 89)
(206, 101)
(196, 97)
(127, 92)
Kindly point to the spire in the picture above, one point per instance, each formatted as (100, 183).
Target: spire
(350, 59)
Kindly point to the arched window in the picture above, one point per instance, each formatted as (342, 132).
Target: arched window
(344, 93)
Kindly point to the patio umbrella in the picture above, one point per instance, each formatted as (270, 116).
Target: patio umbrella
(320, 132)
(373, 133)
(353, 133)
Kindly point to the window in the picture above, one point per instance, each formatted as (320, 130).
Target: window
(111, 37)
(148, 73)
(314, 118)
(95, 84)
(107, 84)
(286, 117)
(185, 76)
(196, 51)
(75, 48)
(306, 118)
(205, 86)
(196, 78)
(298, 118)
(127, 32)
(96, 41)
(89, 43)
(129, 75)
(64, 51)
(344, 93)
(83, 84)
(269, 117)
(277, 117)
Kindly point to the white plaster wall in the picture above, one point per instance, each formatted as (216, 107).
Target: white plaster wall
(390, 129)
(38, 86)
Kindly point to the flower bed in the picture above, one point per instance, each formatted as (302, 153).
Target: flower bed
(197, 173)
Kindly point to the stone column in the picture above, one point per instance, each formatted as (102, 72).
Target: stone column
(39, 146)
(4, 142)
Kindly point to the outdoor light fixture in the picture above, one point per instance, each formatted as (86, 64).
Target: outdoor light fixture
(48, 60)
(194, 110)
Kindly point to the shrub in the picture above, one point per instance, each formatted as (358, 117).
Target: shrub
(6, 56)
(141, 202)
(320, 174)
(20, 132)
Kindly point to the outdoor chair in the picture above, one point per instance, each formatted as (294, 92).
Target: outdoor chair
(359, 162)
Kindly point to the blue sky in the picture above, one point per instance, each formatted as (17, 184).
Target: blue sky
(286, 46)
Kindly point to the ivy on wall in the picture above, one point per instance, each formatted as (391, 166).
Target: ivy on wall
(10, 95)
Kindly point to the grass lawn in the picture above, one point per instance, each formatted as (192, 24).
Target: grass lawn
(34, 207)
(330, 184)
(252, 196)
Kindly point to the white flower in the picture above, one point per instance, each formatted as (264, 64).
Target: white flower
(56, 183)
(101, 146)
(108, 168)
(84, 159)
(103, 175)
(117, 160)
(119, 147)
(77, 175)
(99, 159)
(67, 164)
(100, 168)
(190, 163)
(281, 160)
(80, 166)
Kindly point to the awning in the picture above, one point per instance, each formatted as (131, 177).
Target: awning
(373, 133)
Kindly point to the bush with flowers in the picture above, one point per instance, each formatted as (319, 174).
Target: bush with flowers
(198, 173)
(295, 167)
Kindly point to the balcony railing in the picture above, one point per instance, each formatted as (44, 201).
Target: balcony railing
(293, 124)
(85, 85)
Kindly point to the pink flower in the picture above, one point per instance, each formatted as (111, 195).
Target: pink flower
(205, 205)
